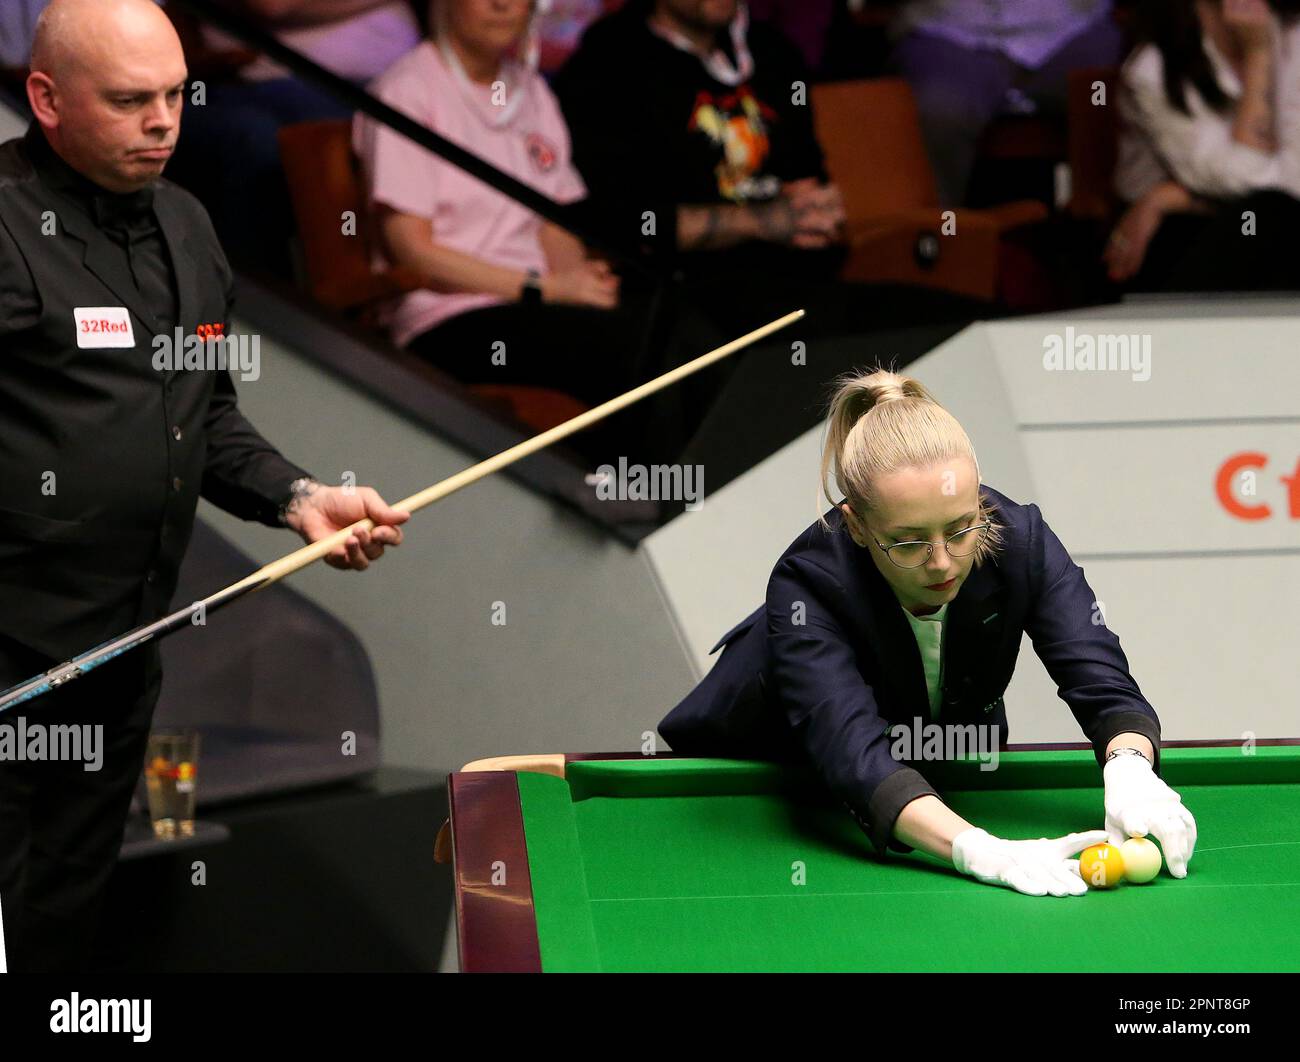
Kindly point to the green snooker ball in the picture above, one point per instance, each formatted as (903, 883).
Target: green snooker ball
(1141, 860)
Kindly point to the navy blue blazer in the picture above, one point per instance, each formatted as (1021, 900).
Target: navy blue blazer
(824, 691)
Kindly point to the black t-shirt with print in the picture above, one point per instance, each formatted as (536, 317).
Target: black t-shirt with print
(652, 129)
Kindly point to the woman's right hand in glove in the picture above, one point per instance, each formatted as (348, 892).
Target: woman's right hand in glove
(1035, 868)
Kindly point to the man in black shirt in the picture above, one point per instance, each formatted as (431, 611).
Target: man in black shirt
(107, 440)
(681, 110)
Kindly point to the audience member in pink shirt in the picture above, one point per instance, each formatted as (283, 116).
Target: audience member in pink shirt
(502, 284)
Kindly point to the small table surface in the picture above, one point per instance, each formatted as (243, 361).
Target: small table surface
(627, 863)
(138, 838)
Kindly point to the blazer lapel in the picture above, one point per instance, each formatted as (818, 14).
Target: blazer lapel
(108, 268)
(972, 633)
(177, 235)
(900, 658)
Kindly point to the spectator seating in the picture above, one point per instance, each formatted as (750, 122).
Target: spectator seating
(871, 136)
(325, 187)
(1093, 139)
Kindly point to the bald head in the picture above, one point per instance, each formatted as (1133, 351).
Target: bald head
(106, 85)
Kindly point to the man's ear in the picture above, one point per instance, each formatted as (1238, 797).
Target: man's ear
(40, 97)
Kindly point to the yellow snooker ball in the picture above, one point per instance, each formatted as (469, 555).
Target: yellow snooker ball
(1141, 860)
(1101, 866)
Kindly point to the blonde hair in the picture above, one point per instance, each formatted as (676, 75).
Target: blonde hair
(880, 422)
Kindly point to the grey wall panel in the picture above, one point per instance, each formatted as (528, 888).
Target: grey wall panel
(588, 658)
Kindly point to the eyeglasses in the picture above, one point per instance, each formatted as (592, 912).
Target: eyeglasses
(914, 554)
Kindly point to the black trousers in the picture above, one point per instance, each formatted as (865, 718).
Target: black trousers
(1224, 258)
(60, 824)
(1167, 253)
(1211, 252)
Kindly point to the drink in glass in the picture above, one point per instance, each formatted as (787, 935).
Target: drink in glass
(170, 773)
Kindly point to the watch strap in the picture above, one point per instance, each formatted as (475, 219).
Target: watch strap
(299, 488)
(531, 292)
(1127, 750)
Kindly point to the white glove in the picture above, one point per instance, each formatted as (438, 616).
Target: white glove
(1138, 803)
(1032, 867)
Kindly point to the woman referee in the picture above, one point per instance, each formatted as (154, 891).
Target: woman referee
(908, 599)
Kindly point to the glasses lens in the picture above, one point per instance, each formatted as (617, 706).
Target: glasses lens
(910, 554)
(964, 543)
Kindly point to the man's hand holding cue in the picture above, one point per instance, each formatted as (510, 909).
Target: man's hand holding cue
(317, 511)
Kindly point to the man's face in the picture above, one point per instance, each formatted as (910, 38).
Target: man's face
(119, 107)
(702, 14)
(927, 505)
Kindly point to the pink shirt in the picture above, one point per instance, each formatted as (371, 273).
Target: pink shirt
(467, 215)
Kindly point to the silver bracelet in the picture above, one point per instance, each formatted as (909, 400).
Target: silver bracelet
(299, 488)
(1127, 750)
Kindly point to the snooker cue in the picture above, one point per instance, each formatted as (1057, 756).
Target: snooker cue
(197, 611)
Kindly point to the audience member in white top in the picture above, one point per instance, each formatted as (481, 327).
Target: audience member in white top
(1231, 143)
(1210, 108)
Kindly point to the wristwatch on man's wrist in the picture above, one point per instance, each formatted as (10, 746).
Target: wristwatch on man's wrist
(531, 292)
(299, 488)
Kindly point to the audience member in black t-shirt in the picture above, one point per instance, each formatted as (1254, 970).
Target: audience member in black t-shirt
(686, 118)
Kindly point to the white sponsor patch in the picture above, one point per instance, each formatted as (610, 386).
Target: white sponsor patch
(103, 326)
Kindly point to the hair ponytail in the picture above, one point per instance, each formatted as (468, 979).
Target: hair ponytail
(881, 422)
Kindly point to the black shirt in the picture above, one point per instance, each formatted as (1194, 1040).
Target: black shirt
(105, 448)
(652, 129)
(127, 219)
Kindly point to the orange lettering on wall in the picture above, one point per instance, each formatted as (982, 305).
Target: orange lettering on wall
(1223, 487)
(1293, 490)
